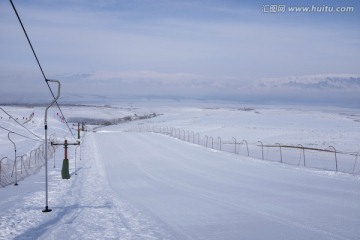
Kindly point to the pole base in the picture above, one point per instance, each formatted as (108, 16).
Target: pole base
(46, 209)
(65, 169)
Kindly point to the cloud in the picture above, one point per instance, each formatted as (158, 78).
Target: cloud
(175, 36)
(179, 49)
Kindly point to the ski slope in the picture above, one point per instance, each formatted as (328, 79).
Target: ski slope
(197, 193)
(131, 185)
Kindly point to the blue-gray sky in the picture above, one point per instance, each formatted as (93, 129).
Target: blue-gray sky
(198, 48)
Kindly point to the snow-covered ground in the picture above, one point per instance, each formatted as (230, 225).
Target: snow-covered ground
(143, 185)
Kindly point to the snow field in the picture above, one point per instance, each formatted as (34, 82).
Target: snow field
(310, 128)
(83, 207)
(325, 159)
(200, 193)
(150, 186)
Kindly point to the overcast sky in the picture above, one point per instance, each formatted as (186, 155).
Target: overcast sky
(160, 47)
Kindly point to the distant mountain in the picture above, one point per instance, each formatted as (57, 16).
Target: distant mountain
(331, 89)
(315, 82)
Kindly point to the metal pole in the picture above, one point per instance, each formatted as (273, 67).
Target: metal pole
(280, 152)
(262, 149)
(355, 161)
(46, 147)
(75, 158)
(234, 144)
(303, 151)
(14, 159)
(247, 147)
(336, 164)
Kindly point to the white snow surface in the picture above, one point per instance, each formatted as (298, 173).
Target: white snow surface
(135, 185)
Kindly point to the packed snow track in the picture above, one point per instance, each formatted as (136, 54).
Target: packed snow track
(197, 193)
(150, 186)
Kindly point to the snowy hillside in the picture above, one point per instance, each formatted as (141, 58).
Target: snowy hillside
(132, 184)
(327, 89)
(320, 82)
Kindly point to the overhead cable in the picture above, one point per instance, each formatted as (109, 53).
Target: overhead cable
(20, 124)
(21, 135)
(41, 69)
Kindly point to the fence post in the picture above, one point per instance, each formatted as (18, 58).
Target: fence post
(219, 139)
(14, 159)
(235, 145)
(336, 164)
(212, 142)
(29, 160)
(262, 149)
(207, 139)
(21, 163)
(247, 147)
(37, 155)
(31, 154)
(356, 162)
(280, 152)
(0, 166)
(303, 150)
(198, 134)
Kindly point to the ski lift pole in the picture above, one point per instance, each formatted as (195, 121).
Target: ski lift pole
(46, 146)
(65, 174)
(75, 156)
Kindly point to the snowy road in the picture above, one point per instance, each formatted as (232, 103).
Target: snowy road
(196, 193)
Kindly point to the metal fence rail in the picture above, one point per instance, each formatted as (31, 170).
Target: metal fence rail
(326, 159)
(13, 170)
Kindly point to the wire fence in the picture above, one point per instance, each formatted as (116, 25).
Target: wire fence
(14, 170)
(326, 159)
